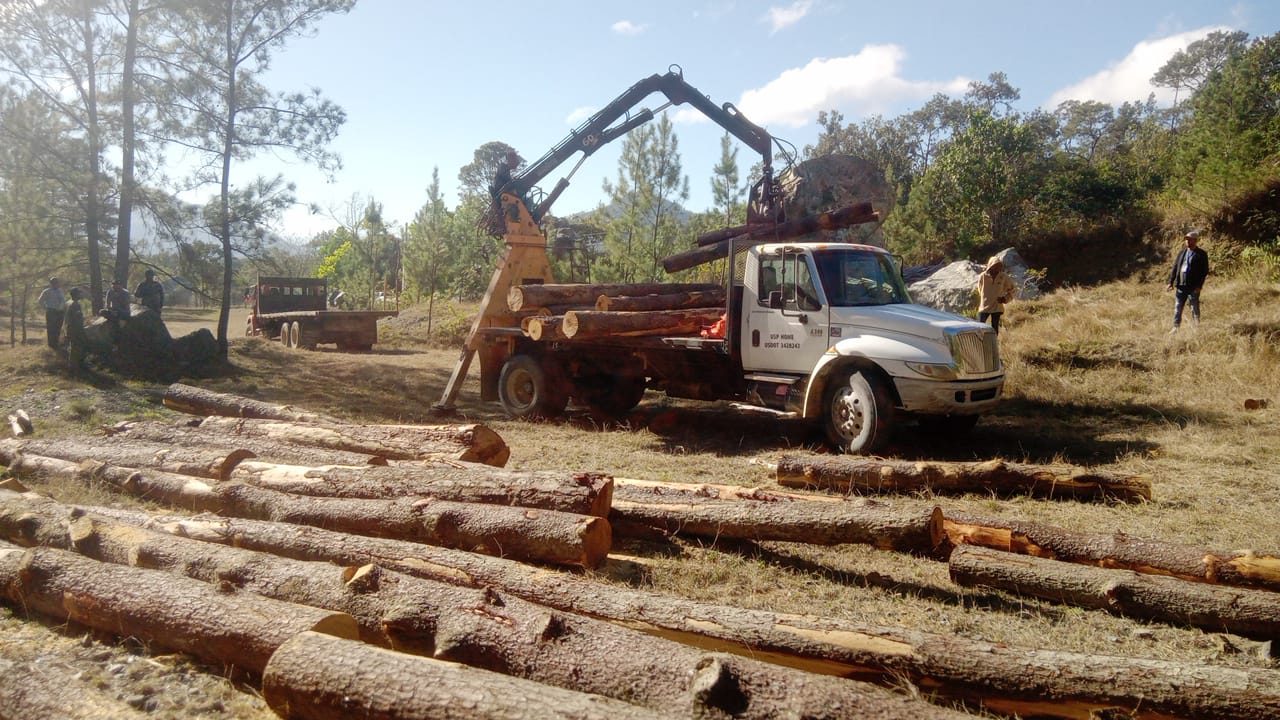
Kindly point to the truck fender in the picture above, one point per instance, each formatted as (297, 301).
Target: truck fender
(856, 354)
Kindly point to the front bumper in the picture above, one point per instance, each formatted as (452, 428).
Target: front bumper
(961, 397)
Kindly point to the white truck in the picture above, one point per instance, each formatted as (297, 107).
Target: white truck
(825, 331)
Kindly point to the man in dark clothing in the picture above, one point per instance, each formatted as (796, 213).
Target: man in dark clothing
(1190, 269)
(77, 340)
(117, 302)
(150, 293)
(54, 302)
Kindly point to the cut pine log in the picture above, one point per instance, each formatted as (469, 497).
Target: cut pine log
(540, 535)
(198, 401)
(592, 324)
(831, 220)
(847, 474)
(585, 294)
(186, 434)
(311, 678)
(584, 493)
(668, 301)
(821, 523)
(834, 220)
(1244, 568)
(51, 690)
(20, 424)
(207, 462)
(238, 629)
(546, 328)
(1243, 611)
(468, 442)
(1009, 679)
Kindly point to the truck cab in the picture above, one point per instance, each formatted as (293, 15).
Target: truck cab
(829, 331)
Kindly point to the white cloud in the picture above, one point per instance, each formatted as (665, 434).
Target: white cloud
(626, 27)
(784, 17)
(579, 115)
(1129, 80)
(856, 85)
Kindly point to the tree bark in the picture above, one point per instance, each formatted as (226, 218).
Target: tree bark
(668, 301)
(878, 476)
(820, 523)
(207, 462)
(524, 533)
(185, 434)
(547, 328)
(1007, 679)
(1244, 568)
(198, 401)
(311, 678)
(591, 324)
(583, 493)
(470, 443)
(585, 294)
(47, 690)
(239, 629)
(1248, 612)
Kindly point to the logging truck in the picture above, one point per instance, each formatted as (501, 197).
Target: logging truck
(295, 311)
(825, 331)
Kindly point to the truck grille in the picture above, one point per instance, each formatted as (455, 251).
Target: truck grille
(976, 352)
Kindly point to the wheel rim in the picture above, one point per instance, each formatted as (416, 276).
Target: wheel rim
(520, 389)
(849, 413)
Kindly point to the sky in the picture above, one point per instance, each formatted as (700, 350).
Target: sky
(425, 83)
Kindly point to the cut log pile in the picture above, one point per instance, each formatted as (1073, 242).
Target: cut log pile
(399, 588)
(589, 311)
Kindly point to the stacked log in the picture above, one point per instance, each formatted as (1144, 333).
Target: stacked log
(663, 301)
(874, 475)
(213, 462)
(585, 295)
(198, 401)
(592, 324)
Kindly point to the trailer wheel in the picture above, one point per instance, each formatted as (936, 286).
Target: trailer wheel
(613, 396)
(859, 413)
(294, 332)
(527, 390)
(284, 335)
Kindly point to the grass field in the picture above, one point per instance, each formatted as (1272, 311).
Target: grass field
(1094, 379)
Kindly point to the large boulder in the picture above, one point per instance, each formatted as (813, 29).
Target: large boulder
(831, 182)
(954, 287)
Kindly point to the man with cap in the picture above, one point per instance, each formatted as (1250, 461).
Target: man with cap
(53, 300)
(150, 294)
(117, 302)
(1187, 277)
(77, 339)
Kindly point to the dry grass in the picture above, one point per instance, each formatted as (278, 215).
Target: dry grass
(1094, 379)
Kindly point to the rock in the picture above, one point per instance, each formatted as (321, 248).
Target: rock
(954, 287)
(830, 182)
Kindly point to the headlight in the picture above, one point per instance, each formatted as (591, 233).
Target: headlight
(935, 371)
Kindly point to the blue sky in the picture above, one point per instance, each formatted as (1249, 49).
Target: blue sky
(425, 82)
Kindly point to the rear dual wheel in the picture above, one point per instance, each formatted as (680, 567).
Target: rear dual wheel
(528, 388)
(289, 333)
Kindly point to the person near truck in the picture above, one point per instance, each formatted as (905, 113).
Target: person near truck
(150, 293)
(995, 288)
(1186, 279)
(54, 302)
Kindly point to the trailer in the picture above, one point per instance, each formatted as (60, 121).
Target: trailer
(296, 312)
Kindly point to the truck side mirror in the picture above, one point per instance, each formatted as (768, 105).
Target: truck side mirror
(775, 300)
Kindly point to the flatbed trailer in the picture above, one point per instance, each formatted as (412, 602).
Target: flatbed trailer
(295, 311)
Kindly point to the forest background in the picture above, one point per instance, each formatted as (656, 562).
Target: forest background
(100, 94)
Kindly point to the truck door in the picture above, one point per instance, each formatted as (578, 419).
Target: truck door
(786, 323)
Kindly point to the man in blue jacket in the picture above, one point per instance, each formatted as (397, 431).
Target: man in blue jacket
(1190, 269)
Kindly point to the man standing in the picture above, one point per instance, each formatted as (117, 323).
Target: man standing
(53, 300)
(77, 340)
(1187, 277)
(150, 293)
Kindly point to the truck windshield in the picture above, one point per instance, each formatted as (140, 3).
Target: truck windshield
(853, 277)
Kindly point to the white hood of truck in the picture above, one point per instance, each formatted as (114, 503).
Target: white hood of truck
(914, 320)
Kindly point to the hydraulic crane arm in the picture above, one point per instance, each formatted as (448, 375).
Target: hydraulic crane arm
(600, 129)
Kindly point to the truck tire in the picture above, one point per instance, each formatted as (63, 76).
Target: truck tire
(527, 390)
(294, 331)
(612, 396)
(284, 335)
(858, 413)
(248, 327)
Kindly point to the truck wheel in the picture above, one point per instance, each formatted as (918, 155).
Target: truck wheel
(613, 396)
(284, 335)
(859, 413)
(248, 327)
(527, 390)
(294, 332)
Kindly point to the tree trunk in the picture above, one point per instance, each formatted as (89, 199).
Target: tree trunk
(470, 443)
(583, 493)
(547, 328)
(813, 223)
(1243, 568)
(819, 523)
(592, 324)
(185, 435)
(238, 629)
(198, 401)
(539, 535)
(311, 678)
(669, 301)
(50, 690)
(1006, 679)
(1248, 612)
(878, 476)
(831, 220)
(658, 488)
(206, 462)
(585, 294)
